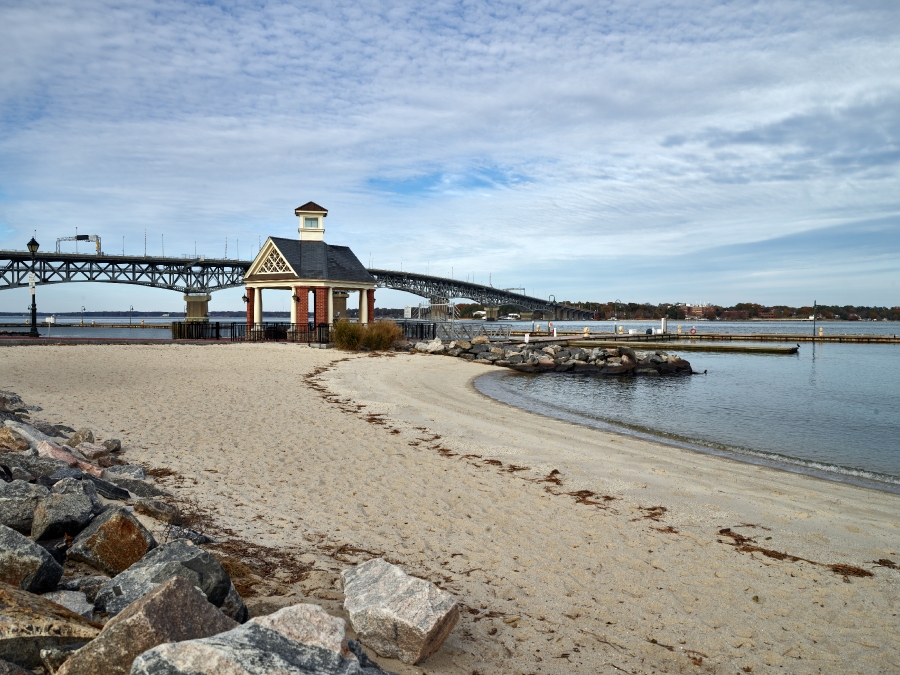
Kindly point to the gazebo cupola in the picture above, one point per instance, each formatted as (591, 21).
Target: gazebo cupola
(312, 221)
(309, 266)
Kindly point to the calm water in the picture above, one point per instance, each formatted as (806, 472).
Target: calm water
(831, 411)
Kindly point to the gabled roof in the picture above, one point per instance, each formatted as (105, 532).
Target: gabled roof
(318, 260)
(310, 207)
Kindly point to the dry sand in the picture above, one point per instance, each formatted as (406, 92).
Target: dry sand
(335, 458)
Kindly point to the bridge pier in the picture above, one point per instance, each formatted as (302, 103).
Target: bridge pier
(439, 308)
(197, 308)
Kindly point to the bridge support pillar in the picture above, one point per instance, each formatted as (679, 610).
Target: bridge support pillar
(321, 299)
(339, 304)
(257, 306)
(491, 313)
(370, 305)
(197, 308)
(439, 308)
(300, 305)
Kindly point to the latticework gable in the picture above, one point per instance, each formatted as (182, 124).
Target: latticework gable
(274, 264)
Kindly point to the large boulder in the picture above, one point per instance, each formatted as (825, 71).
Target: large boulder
(172, 612)
(178, 558)
(26, 565)
(68, 509)
(30, 623)
(36, 466)
(18, 501)
(114, 541)
(297, 640)
(397, 615)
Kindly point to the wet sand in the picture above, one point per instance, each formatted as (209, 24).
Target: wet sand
(571, 549)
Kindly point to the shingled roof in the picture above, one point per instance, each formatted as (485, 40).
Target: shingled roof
(318, 260)
(310, 206)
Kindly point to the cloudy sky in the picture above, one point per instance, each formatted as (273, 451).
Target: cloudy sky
(648, 151)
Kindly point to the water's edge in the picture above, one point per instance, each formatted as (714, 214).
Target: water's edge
(490, 385)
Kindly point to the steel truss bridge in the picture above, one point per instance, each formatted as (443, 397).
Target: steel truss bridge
(191, 275)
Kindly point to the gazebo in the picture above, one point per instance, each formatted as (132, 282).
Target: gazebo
(309, 265)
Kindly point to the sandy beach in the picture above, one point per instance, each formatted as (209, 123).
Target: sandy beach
(570, 549)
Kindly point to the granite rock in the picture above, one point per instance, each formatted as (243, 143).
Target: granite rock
(54, 657)
(7, 668)
(10, 442)
(481, 340)
(397, 615)
(87, 585)
(54, 451)
(67, 510)
(250, 649)
(160, 510)
(138, 487)
(174, 559)
(18, 501)
(114, 541)
(107, 489)
(92, 451)
(125, 471)
(26, 565)
(27, 432)
(30, 623)
(80, 436)
(172, 612)
(75, 601)
(112, 444)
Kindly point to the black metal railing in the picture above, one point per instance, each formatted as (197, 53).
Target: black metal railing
(310, 333)
(418, 330)
(190, 330)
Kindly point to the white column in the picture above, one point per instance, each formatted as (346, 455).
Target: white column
(330, 305)
(293, 306)
(363, 307)
(257, 306)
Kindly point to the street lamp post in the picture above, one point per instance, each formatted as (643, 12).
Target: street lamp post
(82, 315)
(32, 280)
(130, 313)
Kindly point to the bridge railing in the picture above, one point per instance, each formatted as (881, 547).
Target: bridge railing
(310, 333)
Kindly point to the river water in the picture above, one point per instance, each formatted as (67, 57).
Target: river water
(832, 410)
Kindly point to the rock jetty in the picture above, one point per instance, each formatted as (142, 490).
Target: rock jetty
(555, 358)
(68, 504)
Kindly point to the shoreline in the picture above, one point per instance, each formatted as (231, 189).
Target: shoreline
(742, 456)
(570, 549)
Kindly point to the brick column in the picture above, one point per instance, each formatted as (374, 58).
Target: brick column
(302, 293)
(251, 295)
(370, 304)
(321, 309)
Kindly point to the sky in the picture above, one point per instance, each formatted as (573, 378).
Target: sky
(645, 151)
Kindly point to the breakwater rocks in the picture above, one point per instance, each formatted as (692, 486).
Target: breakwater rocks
(85, 587)
(542, 358)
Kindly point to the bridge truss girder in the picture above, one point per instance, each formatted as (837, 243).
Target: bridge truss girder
(439, 287)
(184, 275)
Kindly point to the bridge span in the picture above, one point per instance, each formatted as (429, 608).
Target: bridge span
(190, 275)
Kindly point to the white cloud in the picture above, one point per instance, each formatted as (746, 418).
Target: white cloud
(542, 143)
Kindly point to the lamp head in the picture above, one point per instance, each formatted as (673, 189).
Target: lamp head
(245, 298)
(33, 246)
